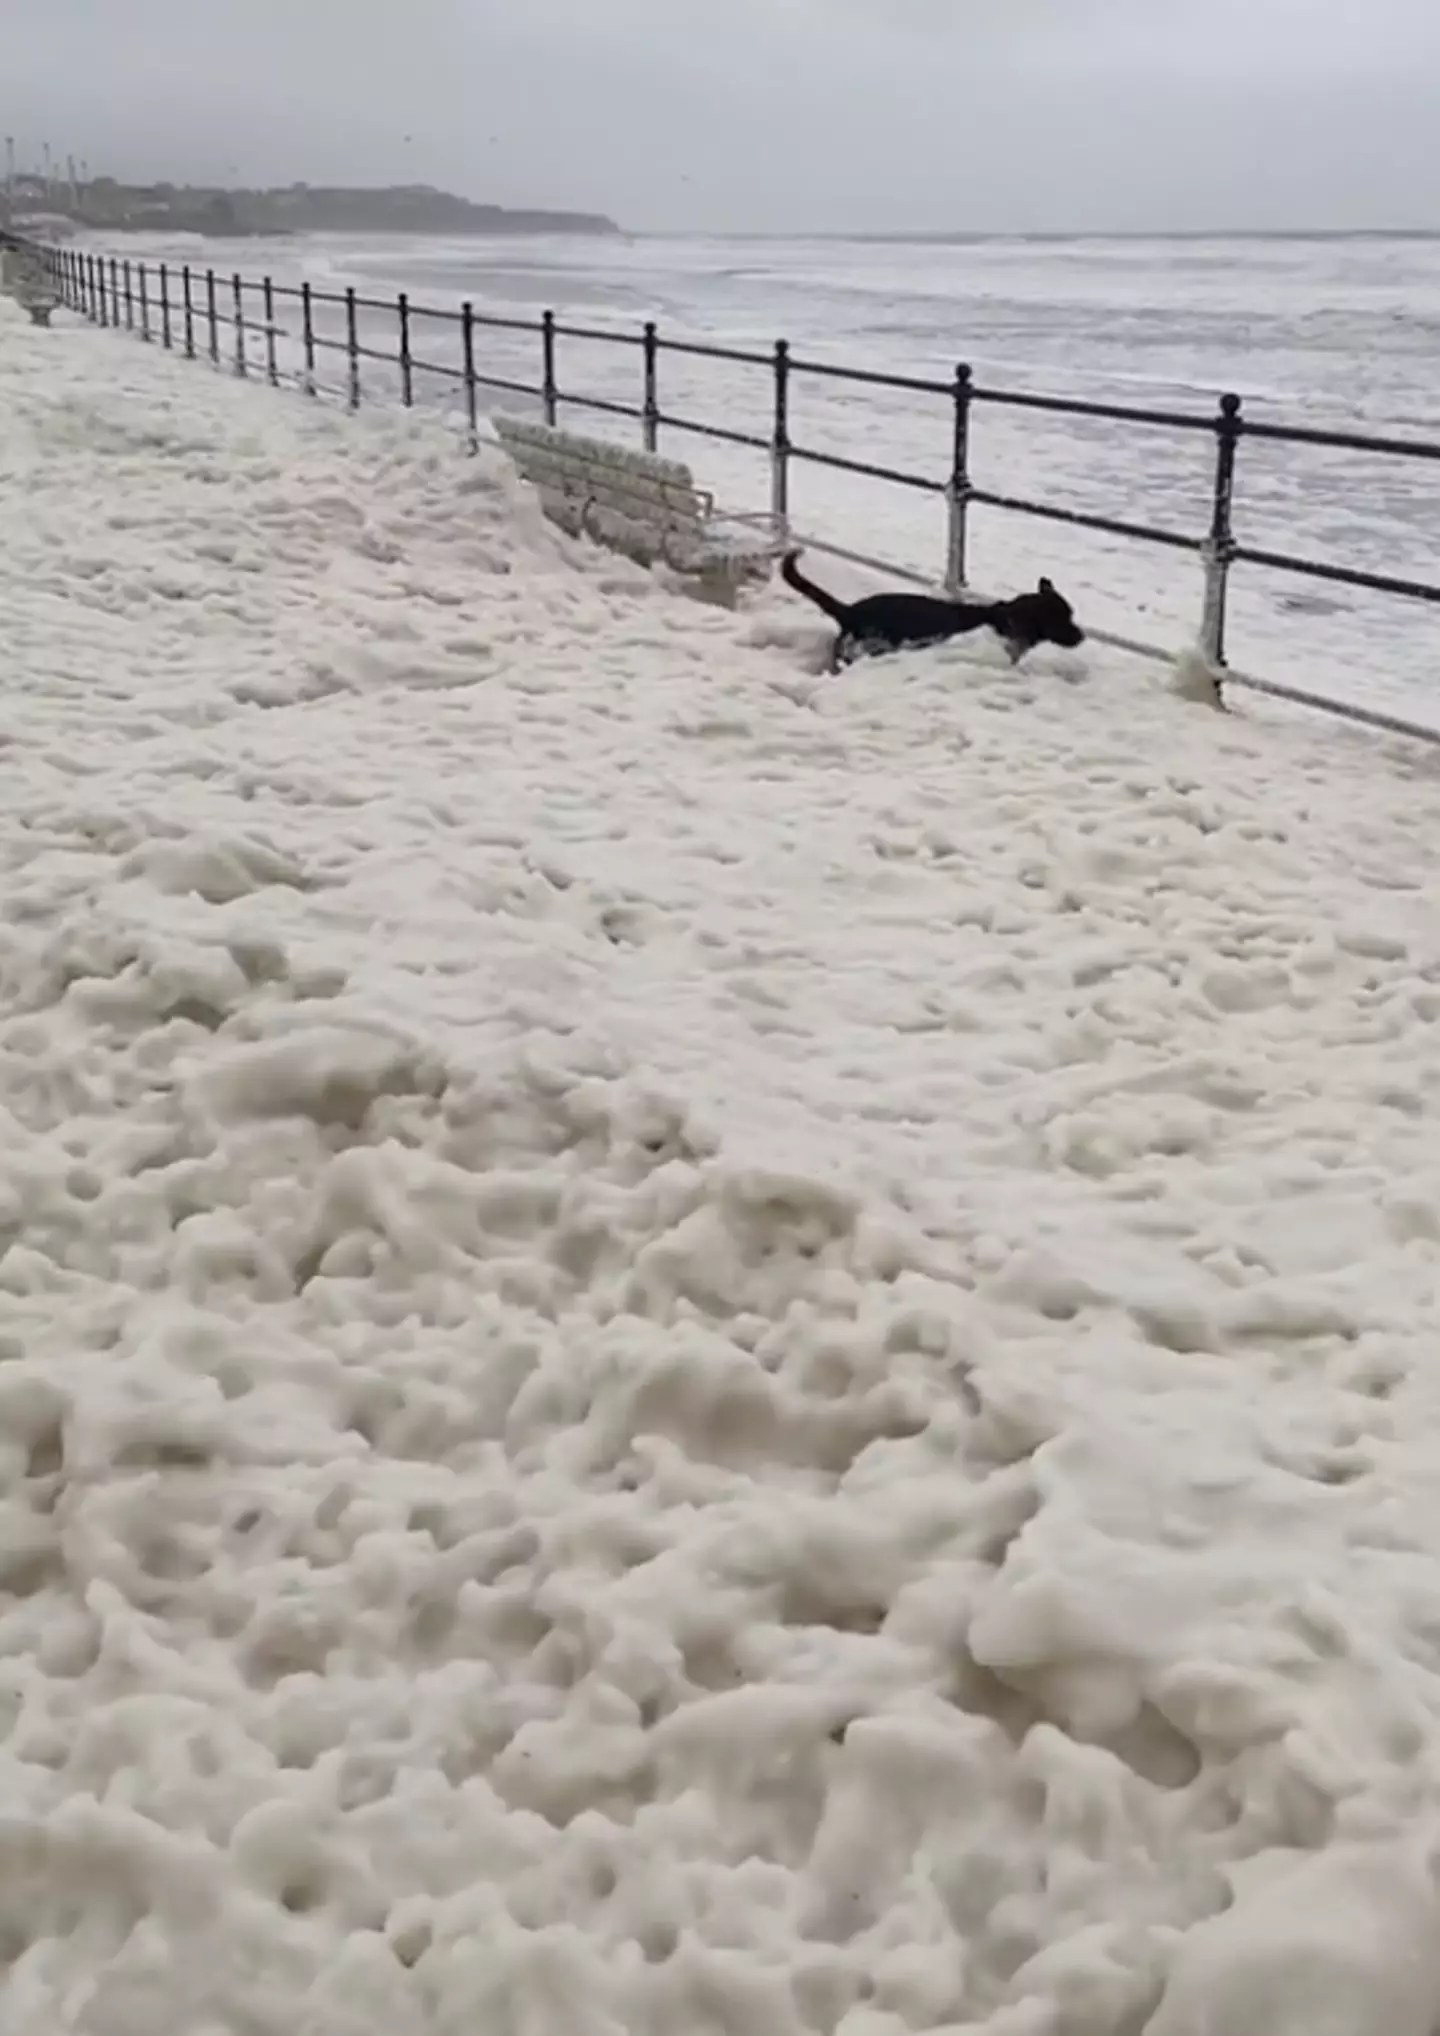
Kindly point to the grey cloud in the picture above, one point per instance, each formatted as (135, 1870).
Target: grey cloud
(768, 114)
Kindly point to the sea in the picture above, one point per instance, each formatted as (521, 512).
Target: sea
(1338, 332)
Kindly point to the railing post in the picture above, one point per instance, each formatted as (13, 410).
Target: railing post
(407, 373)
(272, 373)
(1219, 553)
(352, 346)
(237, 289)
(467, 342)
(189, 313)
(114, 292)
(650, 402)
(957, 493)
(166, 337)
(129, 298)
(780, 440)
(211, 314)
(307, 325)
(144, 305)
(549, 392)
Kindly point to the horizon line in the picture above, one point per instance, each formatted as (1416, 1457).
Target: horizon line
(959, 235)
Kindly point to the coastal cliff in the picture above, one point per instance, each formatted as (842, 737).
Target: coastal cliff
(105, 205)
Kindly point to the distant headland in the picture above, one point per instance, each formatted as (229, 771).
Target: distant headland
(105, 205)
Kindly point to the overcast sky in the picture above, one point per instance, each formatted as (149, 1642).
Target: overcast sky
(768, 115)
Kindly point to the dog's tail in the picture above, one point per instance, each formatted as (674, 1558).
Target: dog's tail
(791, 574)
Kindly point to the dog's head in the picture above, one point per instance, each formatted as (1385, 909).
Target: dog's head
(1042, 617)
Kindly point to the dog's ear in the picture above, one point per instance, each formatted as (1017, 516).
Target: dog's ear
(1047, 587)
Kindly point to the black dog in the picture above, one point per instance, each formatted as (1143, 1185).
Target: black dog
(884, 622)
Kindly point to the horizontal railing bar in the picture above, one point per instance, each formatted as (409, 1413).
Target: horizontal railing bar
(438, 368)
(599, 403)
(374, 353)
(874, 378)
(495, 323)
(665, 421)
(1344, 576)
(861, 558)
(590, 332)
(442, 315)
(1084, 519)
(706, 350)
(1284, 434)
(1343, 441)
(1078, 406)
(512, 388)
(1329, 703)
(873, 473)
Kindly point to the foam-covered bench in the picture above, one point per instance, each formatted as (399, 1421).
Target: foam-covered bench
(23, 277)
(641, 505)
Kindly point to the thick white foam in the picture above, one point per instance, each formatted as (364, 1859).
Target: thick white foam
(684, 1349)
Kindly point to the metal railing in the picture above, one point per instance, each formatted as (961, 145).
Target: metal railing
(200, 313)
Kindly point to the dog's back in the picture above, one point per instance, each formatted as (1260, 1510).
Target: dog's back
(898, 621)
